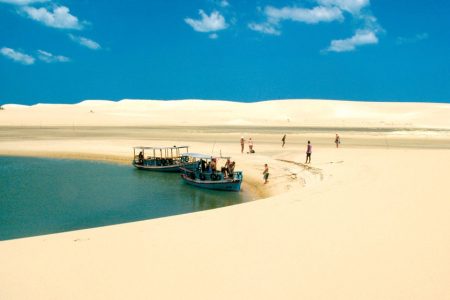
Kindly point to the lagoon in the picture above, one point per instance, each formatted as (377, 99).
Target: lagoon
(42, 196)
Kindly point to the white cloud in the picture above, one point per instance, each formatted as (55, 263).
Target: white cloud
(360, 38)
(50, 58)
(213, 22)
(413, 39)
(352, 6)
(274, 16)
(325, 11)
(224, 3)
(311, 16)
(213, 36)
(85, 42)
(17, 56)
(59, 18)
(266, 28)
(22, 2)
(370, 22)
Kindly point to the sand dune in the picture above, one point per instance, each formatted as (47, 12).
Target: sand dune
(198, 112)
(366, 221)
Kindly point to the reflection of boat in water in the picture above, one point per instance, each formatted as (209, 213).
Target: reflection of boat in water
(164, 159)
(208, 177)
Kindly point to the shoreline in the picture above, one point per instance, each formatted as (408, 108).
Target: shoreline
(249, 188)
(35, 141)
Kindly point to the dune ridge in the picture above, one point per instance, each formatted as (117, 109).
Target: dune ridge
(292, 112)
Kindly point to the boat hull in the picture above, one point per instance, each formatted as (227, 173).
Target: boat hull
(169, 168)
(222, 185)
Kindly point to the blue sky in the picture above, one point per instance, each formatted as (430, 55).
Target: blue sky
(67, 51)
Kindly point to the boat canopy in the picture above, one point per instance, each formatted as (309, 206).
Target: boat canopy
(198, 155)
(161, 152)
(160, 148)
(204, 156)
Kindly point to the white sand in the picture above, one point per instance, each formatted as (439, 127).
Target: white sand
(367, 221)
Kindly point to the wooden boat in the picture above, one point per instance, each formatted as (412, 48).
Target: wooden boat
(163, 159)
(206, 178)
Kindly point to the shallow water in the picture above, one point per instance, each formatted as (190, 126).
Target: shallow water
(40, 196)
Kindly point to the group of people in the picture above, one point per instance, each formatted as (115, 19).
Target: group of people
(265, 173)
(250, 145)
(207, 167)
(228, 169)
(211, 166)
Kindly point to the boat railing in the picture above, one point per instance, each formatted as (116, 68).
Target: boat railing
(237, 175)
(212, 175)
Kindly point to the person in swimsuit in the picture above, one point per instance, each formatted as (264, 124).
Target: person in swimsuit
(308, 153)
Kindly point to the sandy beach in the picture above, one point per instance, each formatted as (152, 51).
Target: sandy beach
(368, 220)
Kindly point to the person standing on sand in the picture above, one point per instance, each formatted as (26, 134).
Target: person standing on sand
(242, 144)
(283, 140)
(266, 173)
(250, 146)
(308, 153)
(337, 140)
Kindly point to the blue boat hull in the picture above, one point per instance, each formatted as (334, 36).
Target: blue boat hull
(222, 185)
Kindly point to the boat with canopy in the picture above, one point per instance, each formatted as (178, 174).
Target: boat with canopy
(163, 159)
(206, 175)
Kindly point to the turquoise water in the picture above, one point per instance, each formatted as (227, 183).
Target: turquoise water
(40, 196)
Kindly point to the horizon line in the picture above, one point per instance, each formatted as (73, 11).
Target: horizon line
(233, 100)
